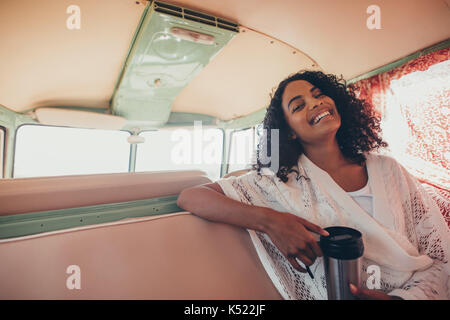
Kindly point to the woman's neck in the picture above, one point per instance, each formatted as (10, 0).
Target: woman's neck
(327, 156)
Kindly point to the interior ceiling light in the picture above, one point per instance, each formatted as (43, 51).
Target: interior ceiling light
(192, 36)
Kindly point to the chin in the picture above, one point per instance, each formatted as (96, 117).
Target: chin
(332, 126)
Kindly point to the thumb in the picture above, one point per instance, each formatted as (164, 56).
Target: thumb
(356, 291)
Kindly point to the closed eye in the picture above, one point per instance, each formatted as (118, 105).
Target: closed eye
(300, 106)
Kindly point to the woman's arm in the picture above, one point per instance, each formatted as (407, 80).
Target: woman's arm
(291, 234)
(209, 202)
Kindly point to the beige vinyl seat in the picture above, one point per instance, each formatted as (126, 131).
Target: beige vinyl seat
(21, 195)
(173, 256)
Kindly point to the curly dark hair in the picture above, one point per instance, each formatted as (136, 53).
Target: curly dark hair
(358, 133)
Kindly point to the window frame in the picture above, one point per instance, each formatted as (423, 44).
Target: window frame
(3, 131)
(231, 140)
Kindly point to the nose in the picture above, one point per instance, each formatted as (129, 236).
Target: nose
(315, 103)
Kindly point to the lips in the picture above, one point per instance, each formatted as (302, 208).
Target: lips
(318, 115)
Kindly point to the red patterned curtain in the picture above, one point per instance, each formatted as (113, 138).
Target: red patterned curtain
(414, 103)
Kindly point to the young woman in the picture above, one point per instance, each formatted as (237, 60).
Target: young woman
(327, 176)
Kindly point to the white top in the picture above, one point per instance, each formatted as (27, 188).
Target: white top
(364, 198)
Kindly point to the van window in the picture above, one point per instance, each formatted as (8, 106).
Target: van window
(181, 149)
(55, 151)
(415, 123)
(242, 149)
(2, 149)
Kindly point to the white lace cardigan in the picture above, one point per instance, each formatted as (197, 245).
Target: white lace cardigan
(407, 237)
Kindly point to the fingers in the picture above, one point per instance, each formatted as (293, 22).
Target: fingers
(365, 294)
(311, 248)
(294, 238)
(304, 259)
(307, 249)
(315, 248)
(295, 264)
(355, 291)
(308, 252)
(314, 228)
(360, 293)
(312, 243)
(300, 259)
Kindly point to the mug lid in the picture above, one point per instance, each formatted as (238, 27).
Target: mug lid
(343, 243)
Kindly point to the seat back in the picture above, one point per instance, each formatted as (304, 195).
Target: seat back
(171, 256)
(178, 256)
(50, 193)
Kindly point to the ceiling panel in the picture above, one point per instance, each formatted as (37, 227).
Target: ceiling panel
(43, 63)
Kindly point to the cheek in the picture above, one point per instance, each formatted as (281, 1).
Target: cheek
(330, 101)
(299, 122)
(301, 126)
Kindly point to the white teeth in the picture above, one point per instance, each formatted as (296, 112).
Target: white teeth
(320, 116)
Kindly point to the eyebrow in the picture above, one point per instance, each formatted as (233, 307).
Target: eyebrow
(300, 96)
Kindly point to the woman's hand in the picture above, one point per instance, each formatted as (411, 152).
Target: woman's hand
(365, 294)
(292, 236)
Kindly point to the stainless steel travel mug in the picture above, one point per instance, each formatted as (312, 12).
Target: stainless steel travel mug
(342, 253)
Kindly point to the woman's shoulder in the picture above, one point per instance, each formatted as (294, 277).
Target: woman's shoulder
(383, 158)
(387, 163)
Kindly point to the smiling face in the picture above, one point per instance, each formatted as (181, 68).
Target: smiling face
(311, 115)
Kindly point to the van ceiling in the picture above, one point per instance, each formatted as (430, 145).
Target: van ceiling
(43, 63)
